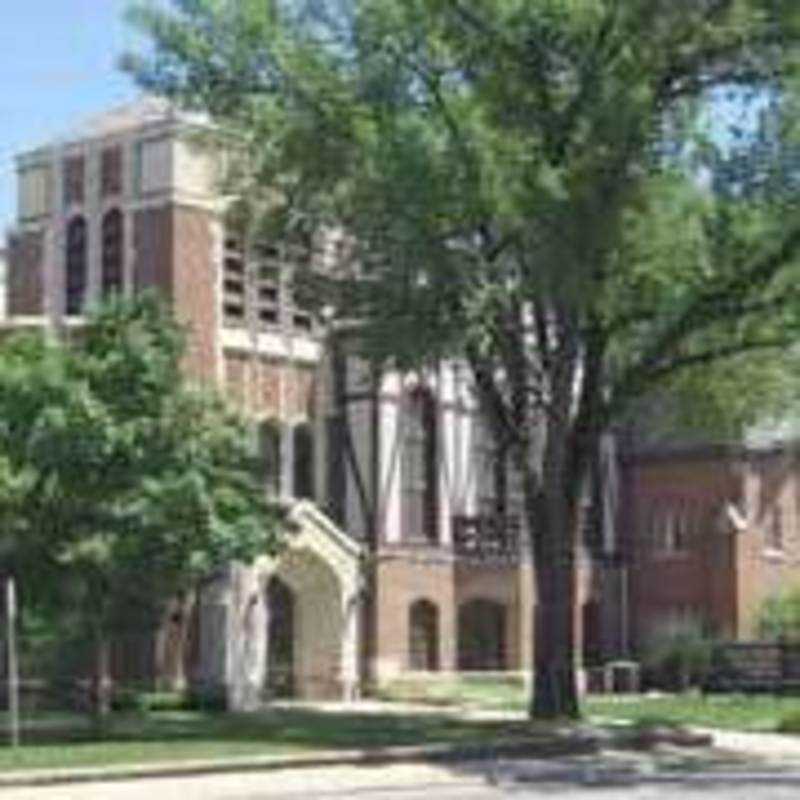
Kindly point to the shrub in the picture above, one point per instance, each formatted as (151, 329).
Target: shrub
(678, 653)
(163, 701)
(779, 617)
(133, 699)
(207, 699)
(789, 723)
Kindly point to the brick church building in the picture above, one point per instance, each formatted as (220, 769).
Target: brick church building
(408, 555)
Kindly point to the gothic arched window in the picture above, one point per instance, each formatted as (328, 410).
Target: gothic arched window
(418, 484)
(423, 636)
(269, 447)
(303, 468)
(113, 252)
(482, 635)
(76, 247)
(490, 471)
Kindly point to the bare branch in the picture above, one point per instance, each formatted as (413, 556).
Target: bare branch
(717, 354)
(711, 307)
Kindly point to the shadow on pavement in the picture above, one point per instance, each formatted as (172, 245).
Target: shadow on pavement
(660, 754)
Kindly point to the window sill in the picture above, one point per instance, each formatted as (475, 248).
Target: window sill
(420, 541)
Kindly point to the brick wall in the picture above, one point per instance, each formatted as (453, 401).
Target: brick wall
(152, 238)
(195, 289)
(407, 575)
(241, 371)
(500, 584)
(763, 570)
(25, 281)
(700, 578)
(401, 581)
(174, 254)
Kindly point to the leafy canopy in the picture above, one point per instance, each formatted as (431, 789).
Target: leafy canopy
(486, 154)
(118, 479)
(511, 183)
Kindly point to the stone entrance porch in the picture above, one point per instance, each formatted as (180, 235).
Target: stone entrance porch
(285, 626)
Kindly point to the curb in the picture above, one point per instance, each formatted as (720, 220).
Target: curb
(610, 777)
(511, 748)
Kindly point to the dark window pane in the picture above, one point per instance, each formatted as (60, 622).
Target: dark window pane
(423, 636)
(303, 462)
(269, 435)
(113, 252)
(74, 169)
(419, 464)
(75, 266)
(111, 172)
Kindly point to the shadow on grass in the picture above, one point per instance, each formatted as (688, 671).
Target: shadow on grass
(298, 729)
(544, 759)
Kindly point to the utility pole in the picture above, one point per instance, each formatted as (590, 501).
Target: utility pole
(12, 665)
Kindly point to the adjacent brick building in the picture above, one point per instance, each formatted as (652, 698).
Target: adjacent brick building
(710, 532)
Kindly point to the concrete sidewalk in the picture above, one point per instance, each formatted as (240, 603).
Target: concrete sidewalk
(776, 748)
(533, 747)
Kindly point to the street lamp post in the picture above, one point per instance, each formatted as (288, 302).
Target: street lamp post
(12, 661)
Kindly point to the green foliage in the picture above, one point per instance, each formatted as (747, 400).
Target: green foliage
(742, 712)
(120, 483)
(202, 736)
(679, 653)
(789, 723)
(514, 178)
(148, 702)
(779, 617)
(490, 153)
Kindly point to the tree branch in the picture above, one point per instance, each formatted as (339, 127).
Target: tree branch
(705, 310)
(717, 354)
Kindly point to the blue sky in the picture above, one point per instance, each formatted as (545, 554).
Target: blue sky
(57, 65)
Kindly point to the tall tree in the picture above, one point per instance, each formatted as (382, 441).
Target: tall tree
(120, 483)
(512, 180)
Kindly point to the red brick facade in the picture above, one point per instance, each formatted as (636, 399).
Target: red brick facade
(25, 283)
(726, 565)
(174, 249)
(255, 385)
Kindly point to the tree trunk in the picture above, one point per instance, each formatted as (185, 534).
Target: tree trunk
(553, 524)
(101, 683)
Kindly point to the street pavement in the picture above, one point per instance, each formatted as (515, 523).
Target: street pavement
(511, 781)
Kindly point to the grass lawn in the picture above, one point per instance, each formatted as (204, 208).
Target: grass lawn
(58, 741)
(487, 692)
(728, 711)
(754, 712)
(179, 736)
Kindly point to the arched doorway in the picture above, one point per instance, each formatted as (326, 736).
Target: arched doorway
(309, 626)
(280, 639)
(423, 636)
(482, 635)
